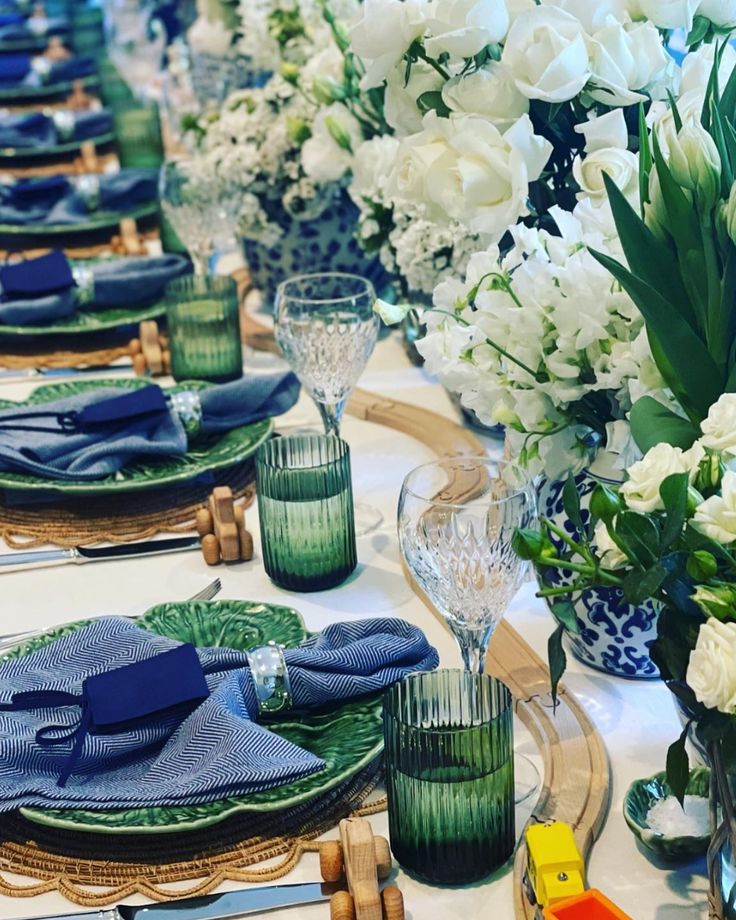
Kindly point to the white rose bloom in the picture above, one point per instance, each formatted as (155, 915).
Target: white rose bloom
(546, 53)
(607, 130)
(591, 13)
(720, 12)
(697, 67)
(711, 671)
(716, 516)
(625, 57)
(462, 28)
(489, 92)
(611, 556)
(719, 429)
(400, 107)
(666, 14)
(383, 34)
(323, 159)
(621, 165)
(641, 489)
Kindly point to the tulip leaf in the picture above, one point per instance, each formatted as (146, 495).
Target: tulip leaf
(645, 158)
(688, 359)
(652, 423)
(701, 24)
(678, 767)
(728, 98)
(718, 134)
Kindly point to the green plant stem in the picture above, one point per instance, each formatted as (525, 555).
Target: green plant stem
(423, 56)
(604, 577)
(580, 550)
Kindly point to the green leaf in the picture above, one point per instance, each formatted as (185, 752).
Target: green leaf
(678, 767)
(673, 492)
(718, 133)
(696, 373)
(640, 535)
(557, 660)
(564, 612)
(641, 586)
(528, 544)
(645, 158)
(701, 24)
(728, 98)
(652, 423)
(571, 504)
(675, 111)
(432, 101)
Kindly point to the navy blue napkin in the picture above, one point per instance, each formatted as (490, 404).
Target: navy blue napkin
(149, 756)
(38, 130)
(75, 68)
(15, 28)
(14, 68)
(47, 441)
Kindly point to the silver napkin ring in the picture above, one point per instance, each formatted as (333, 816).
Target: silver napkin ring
(64, 122)
(88, 189)
(41, 66)
(188, 406)
(85, 280)
(271, 678)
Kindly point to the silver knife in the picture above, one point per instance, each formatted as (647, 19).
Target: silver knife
(212, 907)
(79, 555)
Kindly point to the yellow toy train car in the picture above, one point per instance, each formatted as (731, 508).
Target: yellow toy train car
(555, 868)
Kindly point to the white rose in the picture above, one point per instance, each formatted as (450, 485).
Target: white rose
(383, 34)
(641, 489)
(591, 13)
(716, 516)
(711, 671)
(546, 53)
(666, 14)
(372, 163)
(719, 429)
(720, 12)
(621, 165)
(462, 28)
(490, 92)
(607, 130)
(610, 555)
(324, 159)
(400, 107)
(625, 58)
(697, 67)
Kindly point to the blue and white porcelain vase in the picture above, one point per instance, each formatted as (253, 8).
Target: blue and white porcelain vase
(324, 244)
(615, 636)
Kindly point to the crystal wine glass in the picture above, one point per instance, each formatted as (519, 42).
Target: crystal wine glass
(200, 206)
(327, 330)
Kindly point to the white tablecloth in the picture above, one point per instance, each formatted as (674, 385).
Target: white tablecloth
(635, 718)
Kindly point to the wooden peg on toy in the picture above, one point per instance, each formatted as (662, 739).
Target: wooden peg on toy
(150, 351)
(360, 860)
(55, 50)
(79, 100)
(221, 527)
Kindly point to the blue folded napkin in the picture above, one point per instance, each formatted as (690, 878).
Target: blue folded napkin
(187, 752)
(89, 436)
(125, 282)
(55, 200)
(16, 28)
(36, 130)
(14, 68)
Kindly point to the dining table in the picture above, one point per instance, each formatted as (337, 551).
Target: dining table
(636, 718)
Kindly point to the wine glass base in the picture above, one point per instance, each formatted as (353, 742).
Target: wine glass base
(367, 518)
(527, 780)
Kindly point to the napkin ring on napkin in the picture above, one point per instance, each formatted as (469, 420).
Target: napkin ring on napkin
(88, 189)
(64, 123)
(41, 66)
(271, 678)
(188, 406)
(84, 278)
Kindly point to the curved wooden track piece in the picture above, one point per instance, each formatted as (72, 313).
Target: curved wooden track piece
(577, 774)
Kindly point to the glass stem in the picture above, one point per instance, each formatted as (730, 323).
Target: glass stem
(332, 416)
(473, 645)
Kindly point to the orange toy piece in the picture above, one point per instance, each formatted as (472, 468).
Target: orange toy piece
(360, 859)
(590, 905)
(221, 527)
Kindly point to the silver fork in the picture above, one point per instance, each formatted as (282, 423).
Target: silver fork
(9, 640)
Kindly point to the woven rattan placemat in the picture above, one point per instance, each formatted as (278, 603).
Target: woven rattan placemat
(98, 869)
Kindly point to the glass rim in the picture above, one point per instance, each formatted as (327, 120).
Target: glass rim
(478, 458)
(265, 453)
(480, 680)
(308, 276)
(207, 284)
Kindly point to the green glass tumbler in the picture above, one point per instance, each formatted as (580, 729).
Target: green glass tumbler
(305, 506)
(138, 135)
(203, 322)
(450, 775)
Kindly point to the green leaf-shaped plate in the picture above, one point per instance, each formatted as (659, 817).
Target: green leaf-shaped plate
(90, 321)
(15, 94)
(204, 455)
(58, 151)
(99, 220)
(347, 738)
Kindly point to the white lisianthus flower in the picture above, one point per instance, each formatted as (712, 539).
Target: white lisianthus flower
(336, 133)
(462, 28)
(719, 428)
(621, 165)
(384, 32)
(716, 516)
(610, 555)
(711, 671)
(720, 12)
(328, 63)
(489, 92)
(665, 14)
(391, 313)
(400, 107)
(373, 162)
(607, 130)
(625, 58)
(641, 489)
(545, 51)
(464, 168)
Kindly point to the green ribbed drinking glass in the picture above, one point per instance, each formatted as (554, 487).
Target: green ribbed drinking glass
(450, 775)
(203, 322)
(138, 135)
(305, 507)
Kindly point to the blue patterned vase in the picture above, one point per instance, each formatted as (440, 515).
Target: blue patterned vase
(615, 636)
(325, 244)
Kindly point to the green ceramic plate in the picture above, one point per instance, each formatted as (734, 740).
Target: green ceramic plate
(59, 151)
(205, 454)
(642, 794)
(347, 738)
(17, 94)
(90, 321)
(101, 221)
